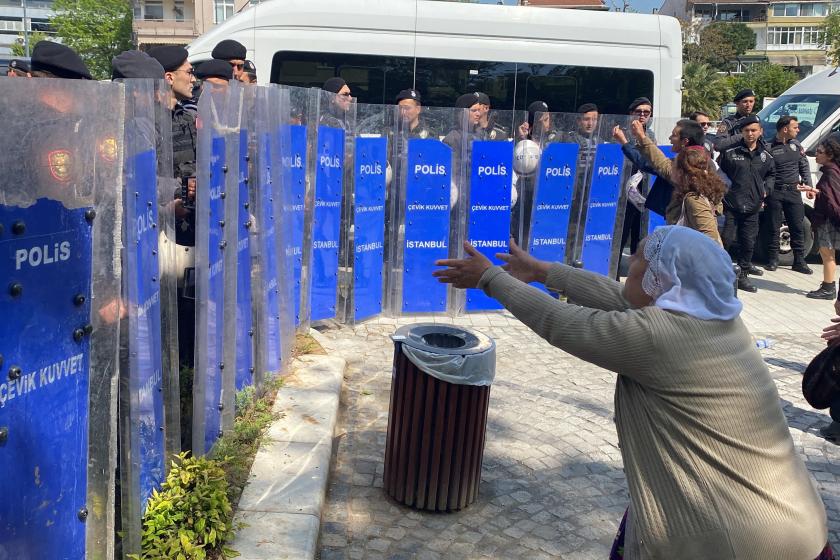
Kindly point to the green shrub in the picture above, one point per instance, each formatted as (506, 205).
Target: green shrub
(191, 517)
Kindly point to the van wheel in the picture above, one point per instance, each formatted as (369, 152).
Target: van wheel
(785, 250)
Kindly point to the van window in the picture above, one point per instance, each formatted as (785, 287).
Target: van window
(810, 109)
(378, 79)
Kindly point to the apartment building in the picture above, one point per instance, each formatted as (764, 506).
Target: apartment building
(177, 22)
(37, 14)
(787, 33)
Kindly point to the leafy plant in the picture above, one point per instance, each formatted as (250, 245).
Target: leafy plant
(704, 89)
(717, 44)
(191, 516)
(18, 48)
(831, 36)
(766, 79)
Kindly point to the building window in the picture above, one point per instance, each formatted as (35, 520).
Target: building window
(153, 9)
(223, 9)
(813, 9)
(795, 37)
(179, 10)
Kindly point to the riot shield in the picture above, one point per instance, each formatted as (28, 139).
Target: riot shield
(487, 199)
(551, 161)
(294, 133)
(599, 243)
(245, 226)
(333, 116)
(428, 176)
(60, 206)
(217, 197)
(143, 396)
(364, 250)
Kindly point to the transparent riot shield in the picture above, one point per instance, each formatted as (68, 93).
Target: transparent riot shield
(60, 210)
(333, 117)
(217, 197)
(245, 226)
(294, 133)
(558, 157)
(428, 151)
(602, 214)
(488, 197)
(142, 387)
(364, 221)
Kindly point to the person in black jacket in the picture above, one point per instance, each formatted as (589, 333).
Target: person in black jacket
(729, 129)
(792, 172)
(751, 170)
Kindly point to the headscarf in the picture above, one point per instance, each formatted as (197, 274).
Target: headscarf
(689, 273)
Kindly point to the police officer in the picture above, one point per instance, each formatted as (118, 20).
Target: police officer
(249, 73)
(216, 73)
(488, 128)
(18, 68)
(539, 126)
(750, 168)
(641, 110)
(468, 123)
(792, 171)
(340, 101)
(705, 122)
(411, 108)
(232, 52)
(179, 74)
(729, 129)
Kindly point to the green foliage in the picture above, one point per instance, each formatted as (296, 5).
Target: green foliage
(191, 517)
(831, 28)
(716, 45)
(18, 48)
(704, 89)
(97, 29)
(236, 449)
(766, 79)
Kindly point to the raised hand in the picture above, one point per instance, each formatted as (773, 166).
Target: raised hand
(463, 273)
(523, 266)
(637, 130)
(619, 135)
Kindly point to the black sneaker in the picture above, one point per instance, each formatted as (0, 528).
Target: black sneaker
(771, 266)
(825, 291)
(755, 271)
(801, 268)
(831, 432)
(745, 284)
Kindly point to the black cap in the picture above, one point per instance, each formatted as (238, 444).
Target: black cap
(170, 57)
(639, 101)
(229, 50)
(587, 108)
(135, 64)
(409, 94)
(538, 107)
(749, 119)
(334, 85)
(20, 64)
(214, 69)
(744, 93)
(468, 100)
(249, 67)
(60, 60)
(483, 98)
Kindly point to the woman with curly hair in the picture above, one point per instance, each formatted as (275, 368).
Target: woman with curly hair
(826, 219)
(697, 188)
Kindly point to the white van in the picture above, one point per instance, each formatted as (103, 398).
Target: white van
(514, 54)
(815, 102)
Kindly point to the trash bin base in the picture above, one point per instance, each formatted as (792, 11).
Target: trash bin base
(435, 441)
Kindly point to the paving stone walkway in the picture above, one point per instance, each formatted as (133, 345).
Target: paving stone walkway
(552, 482)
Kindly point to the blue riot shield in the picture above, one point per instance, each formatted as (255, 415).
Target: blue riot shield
(605, 211)
(216, 271)
(245, 226)
(60, 189)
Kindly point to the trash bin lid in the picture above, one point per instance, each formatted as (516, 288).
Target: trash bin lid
(443, 339)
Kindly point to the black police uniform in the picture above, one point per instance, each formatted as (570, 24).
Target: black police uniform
(791, 169)
(752, 174)
(730, 136)
(184, 145)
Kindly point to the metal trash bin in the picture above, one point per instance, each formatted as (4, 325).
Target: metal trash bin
(437, 419)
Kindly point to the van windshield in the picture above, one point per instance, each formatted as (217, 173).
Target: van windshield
(810, 109)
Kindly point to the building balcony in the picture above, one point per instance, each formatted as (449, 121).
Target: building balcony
(167, 31)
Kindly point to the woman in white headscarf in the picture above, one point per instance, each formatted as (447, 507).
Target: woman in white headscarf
(710, 463)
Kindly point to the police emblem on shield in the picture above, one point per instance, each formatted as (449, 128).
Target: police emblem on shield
(108, 148)
(59, 162)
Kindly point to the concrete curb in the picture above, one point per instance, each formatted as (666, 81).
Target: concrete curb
(281, 504)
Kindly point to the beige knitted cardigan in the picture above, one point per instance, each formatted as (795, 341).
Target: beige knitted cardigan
(710, 463)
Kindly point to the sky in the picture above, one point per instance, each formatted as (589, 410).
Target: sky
(642, 6)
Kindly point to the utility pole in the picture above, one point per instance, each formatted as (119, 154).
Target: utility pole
(25, 31)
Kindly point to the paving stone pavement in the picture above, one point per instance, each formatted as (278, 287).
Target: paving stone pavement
(552, 480)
